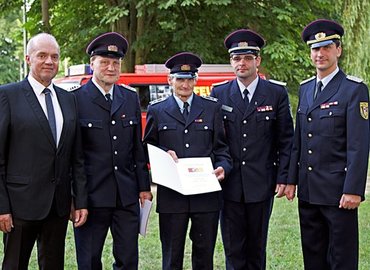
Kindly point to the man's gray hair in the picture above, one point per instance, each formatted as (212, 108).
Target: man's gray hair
(34, 39)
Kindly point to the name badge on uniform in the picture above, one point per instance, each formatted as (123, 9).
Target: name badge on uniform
(328, 105)
(227, 108)
(267, 108)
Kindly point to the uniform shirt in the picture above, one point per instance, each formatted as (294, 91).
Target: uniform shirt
(37, 89)
(181, 103)
(251, 88)
(327, 79)
(102, 91)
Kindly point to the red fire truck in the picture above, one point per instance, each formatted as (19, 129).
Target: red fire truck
(150, 81)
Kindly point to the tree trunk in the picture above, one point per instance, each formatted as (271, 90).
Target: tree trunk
(45, 16)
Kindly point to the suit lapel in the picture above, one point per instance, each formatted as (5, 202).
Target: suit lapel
(236, 97)
(63, 103)
(118, 100)
(173, 110)
(96, 96)
(330, 89)
(195, 110)
(39, 113)
(258, 98)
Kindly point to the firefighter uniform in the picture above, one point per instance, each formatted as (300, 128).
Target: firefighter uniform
(115, 164)
(260, 139)
(200, 135)
(329, 159)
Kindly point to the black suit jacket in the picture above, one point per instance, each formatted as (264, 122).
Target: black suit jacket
(34, 172)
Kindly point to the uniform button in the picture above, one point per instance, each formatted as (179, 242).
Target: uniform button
(165, 127)
(267, 118)
(309, 135)
(225, 117)
(309, 119)
(310, 151)
(244, 135)
(330, 113)
(115, 168)
(186, 131)
(114, 137)
(205, 127)
(345, 169)
(244, 149)
(113, 122)
(310, 168)
(245, 121)
(275, 164)
(131, 122)
(187, 145)
(243, 163)
(115, 152)
(89, 124)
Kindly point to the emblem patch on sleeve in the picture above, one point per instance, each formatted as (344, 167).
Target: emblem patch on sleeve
(364, 110)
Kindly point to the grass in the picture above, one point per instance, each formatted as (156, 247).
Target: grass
(283, 249)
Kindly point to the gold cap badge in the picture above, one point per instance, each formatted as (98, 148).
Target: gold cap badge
(112, 48)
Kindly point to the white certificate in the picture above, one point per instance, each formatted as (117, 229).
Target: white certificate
(187, 176)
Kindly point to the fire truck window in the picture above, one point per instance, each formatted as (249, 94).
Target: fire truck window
(148, 93)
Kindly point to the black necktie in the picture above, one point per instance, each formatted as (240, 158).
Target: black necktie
(51, 113)
(317, 89)
(185, 111)
(109, 100)
(246, 99)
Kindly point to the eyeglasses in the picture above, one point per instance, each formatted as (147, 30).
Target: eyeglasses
(247, 58)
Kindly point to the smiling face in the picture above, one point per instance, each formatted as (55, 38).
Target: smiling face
(245, 66)
(106, 70)
(326, 58)
(43, 58)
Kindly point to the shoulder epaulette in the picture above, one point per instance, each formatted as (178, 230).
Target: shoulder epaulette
(157, 100)
(307, 80)
(355, 79)
(219, 83)
(278, 82)
(74, 88)
(210, 98)
(128, 87)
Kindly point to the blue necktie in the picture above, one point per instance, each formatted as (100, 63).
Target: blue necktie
(317, 89)
(246, 99)
(109, 100)
(185, 111)
(51, 113)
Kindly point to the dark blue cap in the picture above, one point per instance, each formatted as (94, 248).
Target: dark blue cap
(244, 41)
(109, 44)
(184, 65)
(322, 32)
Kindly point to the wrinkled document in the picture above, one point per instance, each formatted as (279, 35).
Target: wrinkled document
(188, 176)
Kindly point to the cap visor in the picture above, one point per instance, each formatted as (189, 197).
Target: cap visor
(183, 75)
(321, 44)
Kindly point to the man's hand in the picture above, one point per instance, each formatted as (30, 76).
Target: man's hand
(6, 223)
(145, 195)
(79, 217)
(220, 173)
(290, 192)
(349, 201)
(173, 155)
(279, 190)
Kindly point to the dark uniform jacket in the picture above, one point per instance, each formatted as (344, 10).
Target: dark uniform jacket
(33, 171)
(115, 161)
(331, 143)
(202, 135)
(260, 139)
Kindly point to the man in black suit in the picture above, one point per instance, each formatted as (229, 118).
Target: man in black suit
(115, 162)
(330, 154)
(259, 131)
(40, 162)
(186, 125)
